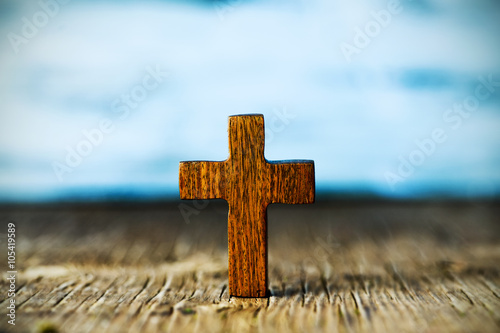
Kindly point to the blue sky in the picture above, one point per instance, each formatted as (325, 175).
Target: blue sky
(399, 99)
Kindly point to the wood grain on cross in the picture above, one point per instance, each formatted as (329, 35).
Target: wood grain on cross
(249, 183)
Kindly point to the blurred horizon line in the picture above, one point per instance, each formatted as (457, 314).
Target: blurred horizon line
(167, 194)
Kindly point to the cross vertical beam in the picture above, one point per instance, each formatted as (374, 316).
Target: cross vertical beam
(247, 198)
(249, 183)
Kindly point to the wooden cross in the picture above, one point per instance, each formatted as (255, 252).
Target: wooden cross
(248, 182)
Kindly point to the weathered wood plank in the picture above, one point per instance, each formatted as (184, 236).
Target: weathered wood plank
(378, 275)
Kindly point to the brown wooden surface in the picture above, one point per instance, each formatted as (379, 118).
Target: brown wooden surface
(334, 267)
(249, 184)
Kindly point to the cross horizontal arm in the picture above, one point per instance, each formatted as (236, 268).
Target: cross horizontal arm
(202, 180)
(291, 182)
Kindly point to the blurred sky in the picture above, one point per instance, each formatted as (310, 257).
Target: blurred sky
(360, 87)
